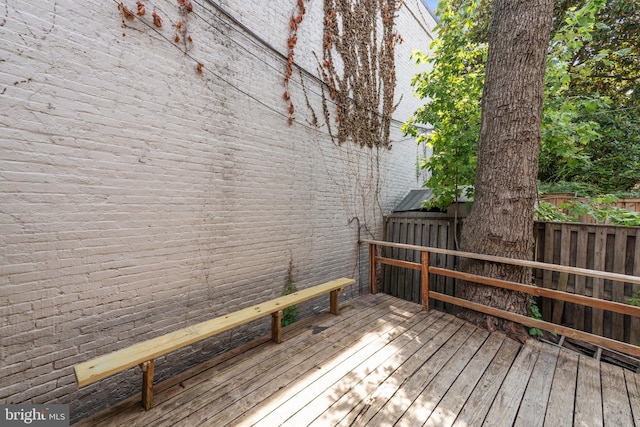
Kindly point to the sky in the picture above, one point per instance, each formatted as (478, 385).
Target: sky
(432, 4)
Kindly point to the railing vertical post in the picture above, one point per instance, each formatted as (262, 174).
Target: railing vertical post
(372, 269)
(424, 271)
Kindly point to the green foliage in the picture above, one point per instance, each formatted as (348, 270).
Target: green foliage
(535, 314)
(603, 209)
(289, 313)
(635, 299)
(453, 86)
(615, 158)
(612, 53)
(584, 189)
(577, 189)
(590, 129)
(565, 129)
(548, 212)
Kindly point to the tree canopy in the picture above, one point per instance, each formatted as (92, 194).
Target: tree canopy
(590, 127)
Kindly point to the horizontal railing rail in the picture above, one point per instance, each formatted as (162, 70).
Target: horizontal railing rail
(592, 302)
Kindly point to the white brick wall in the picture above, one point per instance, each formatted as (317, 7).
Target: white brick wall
(138, 196)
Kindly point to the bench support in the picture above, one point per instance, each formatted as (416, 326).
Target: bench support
(276, 327)
(147, 384)
(333, 302)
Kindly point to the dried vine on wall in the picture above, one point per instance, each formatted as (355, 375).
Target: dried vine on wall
(181, 24)
(361, 87)
(296, 18)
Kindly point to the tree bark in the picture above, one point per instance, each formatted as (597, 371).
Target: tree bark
(501, 220)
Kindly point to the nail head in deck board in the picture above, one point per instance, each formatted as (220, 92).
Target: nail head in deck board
(588, 409)
(559, 410)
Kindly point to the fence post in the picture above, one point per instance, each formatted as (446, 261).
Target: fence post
(425, 280)
(372, 268)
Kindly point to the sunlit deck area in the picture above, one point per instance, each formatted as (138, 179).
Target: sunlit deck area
(384, 361)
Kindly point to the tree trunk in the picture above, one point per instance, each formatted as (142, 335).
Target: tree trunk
(501, 220)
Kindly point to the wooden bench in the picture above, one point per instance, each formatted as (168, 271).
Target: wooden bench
(144, 353)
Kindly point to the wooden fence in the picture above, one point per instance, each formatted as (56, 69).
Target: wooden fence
(421, 231)
(598, 247)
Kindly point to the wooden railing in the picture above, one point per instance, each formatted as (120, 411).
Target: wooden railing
(596, 303)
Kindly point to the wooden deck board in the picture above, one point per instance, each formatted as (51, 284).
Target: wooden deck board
(633, 388)
(536, 397)
(563, 390)
(616, 408)
(386, 361)
(426, 378)
(436, 353)
(588, 406)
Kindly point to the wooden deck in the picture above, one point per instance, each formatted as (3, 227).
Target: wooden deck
(385, 361)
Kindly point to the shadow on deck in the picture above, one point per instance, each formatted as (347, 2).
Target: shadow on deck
(385, 361)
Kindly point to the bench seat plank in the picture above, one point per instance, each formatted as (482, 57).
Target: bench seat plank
(104, 366)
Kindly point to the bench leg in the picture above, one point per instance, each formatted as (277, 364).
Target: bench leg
(333, 302)
(276, 327)
(147, 384)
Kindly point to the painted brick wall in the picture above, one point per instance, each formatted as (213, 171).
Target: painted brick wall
(138, 196)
